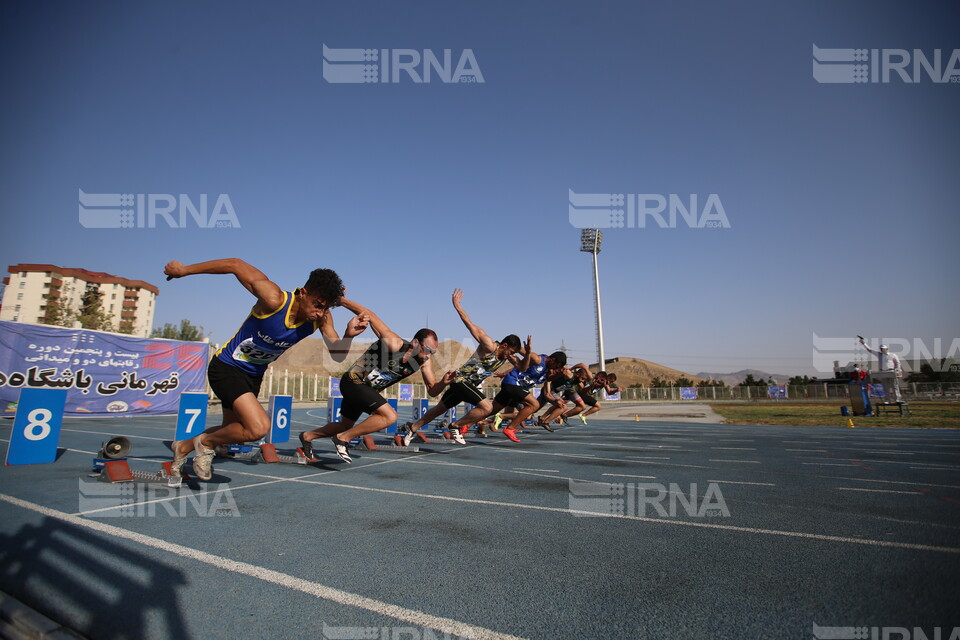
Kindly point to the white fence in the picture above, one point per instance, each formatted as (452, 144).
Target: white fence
(306, 387)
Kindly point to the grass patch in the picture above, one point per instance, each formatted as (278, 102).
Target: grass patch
(928, 415)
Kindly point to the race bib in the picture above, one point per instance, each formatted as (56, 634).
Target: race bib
(247, 351)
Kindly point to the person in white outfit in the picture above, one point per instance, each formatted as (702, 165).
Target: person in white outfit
(889, 367)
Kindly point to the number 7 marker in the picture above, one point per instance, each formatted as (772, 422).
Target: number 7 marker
(192, 416)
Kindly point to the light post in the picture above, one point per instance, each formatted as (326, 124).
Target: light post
(590, 240)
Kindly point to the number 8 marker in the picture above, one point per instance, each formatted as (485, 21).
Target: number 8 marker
(36, 428)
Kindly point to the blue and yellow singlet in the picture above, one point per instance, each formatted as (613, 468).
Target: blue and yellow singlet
(262, 338)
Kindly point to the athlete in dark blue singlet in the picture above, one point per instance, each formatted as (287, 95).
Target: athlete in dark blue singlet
(278, 320)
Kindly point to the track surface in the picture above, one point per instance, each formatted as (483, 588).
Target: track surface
(826, 526)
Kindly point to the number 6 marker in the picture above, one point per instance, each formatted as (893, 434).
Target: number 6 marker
(280, 408)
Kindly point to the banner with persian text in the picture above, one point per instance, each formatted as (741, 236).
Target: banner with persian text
(103, 373)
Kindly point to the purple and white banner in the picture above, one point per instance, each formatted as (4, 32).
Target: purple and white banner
(103, 373)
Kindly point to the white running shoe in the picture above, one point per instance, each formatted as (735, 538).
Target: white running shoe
(343, 449)
(202, 459)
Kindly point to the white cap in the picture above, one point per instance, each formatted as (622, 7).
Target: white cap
(883, 346)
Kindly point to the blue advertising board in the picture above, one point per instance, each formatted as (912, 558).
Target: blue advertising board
(406, 392)
(333, 408)
(688, 393)
(102, 373)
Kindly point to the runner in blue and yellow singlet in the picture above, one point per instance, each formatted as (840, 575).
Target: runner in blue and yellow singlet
(278, 320)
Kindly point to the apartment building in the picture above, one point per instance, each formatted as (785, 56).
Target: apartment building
(31, 287)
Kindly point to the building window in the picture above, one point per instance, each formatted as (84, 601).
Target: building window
(22, 284)
(19, 296)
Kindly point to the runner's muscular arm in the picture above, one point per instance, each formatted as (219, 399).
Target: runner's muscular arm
(269, 295)
(337, 346)
(434, 387)
(529, 357)
(486, 342)
(390, 339)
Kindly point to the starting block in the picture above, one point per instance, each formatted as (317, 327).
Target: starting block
(447, 439)
(264, 452)
(118, 470)
(369, 444)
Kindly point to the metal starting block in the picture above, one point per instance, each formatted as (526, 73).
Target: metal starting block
(264, 452)
(446, 440)
(367, 443)
(119, 471)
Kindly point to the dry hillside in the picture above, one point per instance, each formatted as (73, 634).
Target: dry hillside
(311, 356)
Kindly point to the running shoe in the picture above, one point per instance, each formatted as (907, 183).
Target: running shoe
(457, 437)
(202, 459)
(566, 422)
(178, 459)
(307, 449)
(464, 429)
(343, 449)
(496, 422)
(547, 426)
(408, 433)
(582, 418)
(511, 434)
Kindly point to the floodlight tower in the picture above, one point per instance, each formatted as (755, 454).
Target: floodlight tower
(590, 240)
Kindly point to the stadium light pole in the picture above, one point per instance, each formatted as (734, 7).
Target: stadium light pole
(590, 240)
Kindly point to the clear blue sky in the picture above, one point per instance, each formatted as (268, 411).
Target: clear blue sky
(842, 198)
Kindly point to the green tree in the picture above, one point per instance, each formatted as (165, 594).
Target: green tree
(683, 381)
(658, 382)
(749, 381)
(90, 315)
(185, 331)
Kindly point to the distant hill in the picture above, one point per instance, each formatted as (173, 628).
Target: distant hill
(310, 356)
(631, 371)
(735, 378)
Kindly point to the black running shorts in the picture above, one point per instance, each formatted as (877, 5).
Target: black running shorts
(511, 395)
(229, 383)
(358, 399)
(461, 392)
(588, 399)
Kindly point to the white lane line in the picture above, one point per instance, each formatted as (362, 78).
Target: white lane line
(737, 461)
(419, 618)
(931, 465)
(756, 484)
(912, 484)
(543, 470)
(893, 453)
(623, 475)
(270, 479)
(911, 493)
(648, 457)
(829, 464)
(735, 448)
(100, 433)
(807, 450)
(666, 521)
(584, 456)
